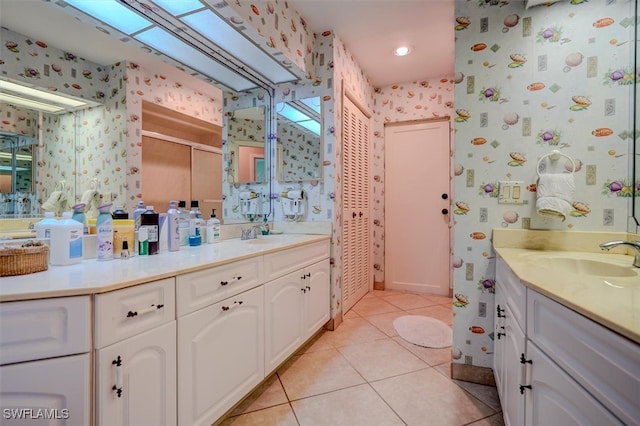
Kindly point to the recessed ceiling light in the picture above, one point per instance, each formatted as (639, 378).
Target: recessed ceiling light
(402, 51)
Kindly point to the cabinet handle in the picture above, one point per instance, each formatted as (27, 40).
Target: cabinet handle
(308, 288)
(523, 387)
(224, 282)
(117, 388)
(304, 290)
(235, 305)
(523, 360)
(500, 312)
(501, 334)
(148, 310)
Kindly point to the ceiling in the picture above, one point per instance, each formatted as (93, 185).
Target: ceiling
(369, 29)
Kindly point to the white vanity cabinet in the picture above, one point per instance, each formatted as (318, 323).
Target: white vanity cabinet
(135, 356)
(296, 307)
(46, 365)
(297, 301)
(554, 366)
(220, 356)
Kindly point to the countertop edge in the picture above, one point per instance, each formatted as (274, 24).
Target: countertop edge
(112, 286)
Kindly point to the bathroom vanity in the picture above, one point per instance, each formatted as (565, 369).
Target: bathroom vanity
(567, 334)
(175, 338)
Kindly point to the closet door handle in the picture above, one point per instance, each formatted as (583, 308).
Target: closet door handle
(353, 215)
(360, 215)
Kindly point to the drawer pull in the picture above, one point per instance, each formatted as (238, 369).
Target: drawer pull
(304, 290)
(523, 360)
(500, 312)
(223, 283)
(523, 387)
(148, 310)
(235, 305)
(308, 288)
(118, 391)
(501, 334)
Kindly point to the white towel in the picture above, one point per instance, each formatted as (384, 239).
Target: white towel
(555, 194)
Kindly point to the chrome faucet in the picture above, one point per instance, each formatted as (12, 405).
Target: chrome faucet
(250, 233)
(633, 244)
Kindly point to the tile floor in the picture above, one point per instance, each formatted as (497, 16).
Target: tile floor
(365, 374)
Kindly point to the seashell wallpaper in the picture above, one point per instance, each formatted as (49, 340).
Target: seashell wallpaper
(528, 82)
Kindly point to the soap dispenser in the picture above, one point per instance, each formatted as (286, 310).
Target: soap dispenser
(213, 228)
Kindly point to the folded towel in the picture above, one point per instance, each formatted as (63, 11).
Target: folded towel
(555, 194)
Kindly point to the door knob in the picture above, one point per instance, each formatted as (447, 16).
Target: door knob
(445, 211)
(445, 196)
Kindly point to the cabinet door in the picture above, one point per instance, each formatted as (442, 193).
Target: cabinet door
(136, 380)
(513, 402)
(220, 356)
(57, 388)
(316, 298)
(556, 399)
(283, 318)
(499, 342)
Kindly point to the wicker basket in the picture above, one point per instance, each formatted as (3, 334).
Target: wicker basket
(23, 260)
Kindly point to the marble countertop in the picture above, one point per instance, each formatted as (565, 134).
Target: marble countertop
(612, 302)
(92, 276)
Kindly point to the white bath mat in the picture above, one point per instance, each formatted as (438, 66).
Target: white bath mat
(423, 331)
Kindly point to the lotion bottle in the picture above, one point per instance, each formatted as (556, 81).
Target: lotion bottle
(104, 233)
(213, 228)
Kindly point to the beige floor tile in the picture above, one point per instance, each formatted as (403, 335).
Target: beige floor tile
(495, 420)
(440, 300)
(320, 342)
(439, 312)
(280, 415)
(385, 293)
(317, 372)
(350, 314)
(409, 301)
(444, 369)
(354, 331)
(486, 394)
(432, 356)
(384, 322)
(355, 406)
(373, 306)
(426, 394)
(268, 394)
(381, 359)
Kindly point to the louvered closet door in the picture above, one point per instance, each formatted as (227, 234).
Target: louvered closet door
(356, 257)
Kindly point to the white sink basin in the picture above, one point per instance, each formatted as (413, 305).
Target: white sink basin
(587, 264)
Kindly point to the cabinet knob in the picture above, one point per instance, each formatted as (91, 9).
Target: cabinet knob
(445, 211)
(117, 390)
(353, 215)
(360, 214)
(445, 196)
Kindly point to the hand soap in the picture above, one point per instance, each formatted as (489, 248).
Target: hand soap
(213, 228)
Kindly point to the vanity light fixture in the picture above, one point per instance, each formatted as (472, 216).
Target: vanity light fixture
(194, 33)
(38, 99)
(402, 51)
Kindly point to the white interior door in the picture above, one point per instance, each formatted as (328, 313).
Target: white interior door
(417, 227)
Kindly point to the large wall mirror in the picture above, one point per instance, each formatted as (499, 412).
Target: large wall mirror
(246, 135)
(299, 140)
(18, 157)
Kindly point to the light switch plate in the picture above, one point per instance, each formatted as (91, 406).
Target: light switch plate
(511, 192)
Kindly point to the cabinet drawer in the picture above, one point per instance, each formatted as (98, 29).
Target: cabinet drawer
(513, 291)
(286, 261)
(37, 329)
(199, 289)
(124, 313)
(605, 363)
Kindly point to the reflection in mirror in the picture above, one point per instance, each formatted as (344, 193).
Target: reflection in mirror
(299, 141)
(246, 145)
(17, 156)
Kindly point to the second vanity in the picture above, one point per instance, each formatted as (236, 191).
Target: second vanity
(567, 330)
(174, 338)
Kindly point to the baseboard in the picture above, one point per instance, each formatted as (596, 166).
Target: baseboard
(334, 322)
(473, 374)
(378, 285)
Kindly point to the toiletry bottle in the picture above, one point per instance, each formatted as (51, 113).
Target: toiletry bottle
(150, 220)
(119, 213)
(195, 239)
(65, 246)
(137, 212)
(104, 233)
(143, 241)
(213, 228)
(78, 215)
(183, 219)
(43, 228)
(265, 225)
(173, 224)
